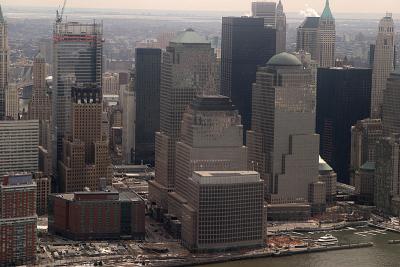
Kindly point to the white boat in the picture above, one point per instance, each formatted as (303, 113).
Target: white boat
(327, 240)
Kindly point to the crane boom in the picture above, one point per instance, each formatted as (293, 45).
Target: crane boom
(61, 13)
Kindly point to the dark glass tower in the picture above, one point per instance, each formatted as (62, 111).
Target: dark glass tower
(343, 98)
(246, 44)
(148, 69)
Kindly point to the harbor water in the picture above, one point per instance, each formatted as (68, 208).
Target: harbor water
(381, 254)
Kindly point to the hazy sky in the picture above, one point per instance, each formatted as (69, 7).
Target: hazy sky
(371, 6)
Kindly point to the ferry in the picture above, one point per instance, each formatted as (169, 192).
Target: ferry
(327, 240)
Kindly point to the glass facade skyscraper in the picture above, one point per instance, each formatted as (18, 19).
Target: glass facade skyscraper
(246, 44)
(343, 98)
(148, 75)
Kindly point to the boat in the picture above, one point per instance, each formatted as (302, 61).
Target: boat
(327, 240)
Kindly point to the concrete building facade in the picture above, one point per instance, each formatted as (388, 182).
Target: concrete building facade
(187, 68)
(19, 141)
(86, 158)
(4, 64)
(383, 63)
(77, 58)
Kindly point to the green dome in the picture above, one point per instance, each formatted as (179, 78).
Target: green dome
(284, 59)
(189, 36)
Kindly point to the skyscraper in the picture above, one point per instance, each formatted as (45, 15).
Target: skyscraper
(246, 44)
(78, 56)
(307, 37)
(40, 105)
(283, 145)
(128, 103)
(148, 76)
(391, 104)
(18, 220)
(211, 143)
(265, 10)
(326, 38)
(382, 64)
(85, 153)
(186, 71)
(280, 29)
(4, 60)
(19, 141)
(364, 136)
(343, 98)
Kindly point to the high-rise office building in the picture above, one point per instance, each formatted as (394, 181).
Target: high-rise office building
(148, 78)
(383, 63)
(280, 29)
(110, 84)
(326, 38)
(265, 10)
(391, 105)
(85, 153)
(307, 37)
(275, 18)
(78, 56)
(18, 220)
(283, 145)
(211, 143)
(19, 142)
(187, 68)
(4, 60)
(387, 177)
(40, 105)
(343, 98)
(128, 103)
(317, 36)
(12, 102)
(364, 136)
(246, 44)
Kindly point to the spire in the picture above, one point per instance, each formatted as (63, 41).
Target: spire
(327, 13)
(1, 15)
(279, 8)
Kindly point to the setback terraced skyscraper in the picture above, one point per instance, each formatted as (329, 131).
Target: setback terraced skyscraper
(78, 56)
(383, 63)
(186, 71)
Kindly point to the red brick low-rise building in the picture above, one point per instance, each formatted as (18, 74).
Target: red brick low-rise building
(18, 220)
(97, 215)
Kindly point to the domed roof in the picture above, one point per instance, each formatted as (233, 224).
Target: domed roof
(189, 36)
(368, 166)
(323, 166)
(284, 59)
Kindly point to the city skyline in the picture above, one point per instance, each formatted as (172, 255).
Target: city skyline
(308, 7)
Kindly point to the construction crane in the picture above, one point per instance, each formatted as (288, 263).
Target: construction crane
(60, 14)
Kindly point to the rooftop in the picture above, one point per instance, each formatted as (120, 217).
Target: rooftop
(368, 166)
(323, 166)
(310, 22)
(284, 59)
(213, 103)
(189, 36)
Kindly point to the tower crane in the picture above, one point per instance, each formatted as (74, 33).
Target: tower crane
(60, 14)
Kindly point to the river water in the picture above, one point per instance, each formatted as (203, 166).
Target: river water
(381, 254)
